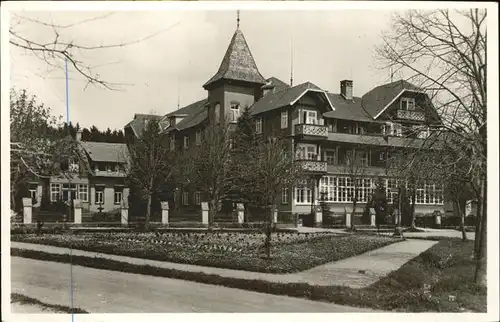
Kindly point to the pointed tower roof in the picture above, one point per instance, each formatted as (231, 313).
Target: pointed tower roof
(238, 63)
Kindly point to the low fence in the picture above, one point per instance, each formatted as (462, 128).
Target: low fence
(197, 217)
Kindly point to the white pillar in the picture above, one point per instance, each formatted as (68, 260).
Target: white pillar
(164, 212)
(348, 220)
(27, 210)
(124, 212)
(275, 215)
(318, 216)
(78, 211)
(373, 222)
(204, 213)
(438, 219)
(240, 208)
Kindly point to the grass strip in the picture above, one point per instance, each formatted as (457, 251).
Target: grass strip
(424, 284)
(23, 299)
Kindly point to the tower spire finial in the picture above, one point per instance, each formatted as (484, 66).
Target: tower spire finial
(238, 19)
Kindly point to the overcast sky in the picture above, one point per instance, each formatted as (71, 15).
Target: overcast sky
(328, 46)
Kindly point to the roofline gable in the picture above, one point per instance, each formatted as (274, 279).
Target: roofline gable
(313, 90)
(395, 98)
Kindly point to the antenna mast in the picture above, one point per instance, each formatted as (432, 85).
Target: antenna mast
(291, 62)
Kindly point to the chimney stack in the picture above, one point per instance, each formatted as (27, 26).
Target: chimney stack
(346, 89)
(79, 135)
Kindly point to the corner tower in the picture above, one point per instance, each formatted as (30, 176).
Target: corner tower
(237, 82)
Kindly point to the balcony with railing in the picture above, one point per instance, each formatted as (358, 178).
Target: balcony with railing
(313, 165)
(312, 130)
(411, 115)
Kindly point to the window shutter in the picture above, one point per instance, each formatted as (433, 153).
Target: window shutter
(300, 117)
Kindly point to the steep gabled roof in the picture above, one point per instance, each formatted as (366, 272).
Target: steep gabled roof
(139, 122)
(238, 63)
(106, 152)
(188, 109)
(380, 97)
(196, 113)
(284, 97)
(347, 109)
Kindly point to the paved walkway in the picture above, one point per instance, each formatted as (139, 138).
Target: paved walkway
(103, 291)
(375, 264)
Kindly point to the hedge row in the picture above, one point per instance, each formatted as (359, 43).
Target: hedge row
(19, 298)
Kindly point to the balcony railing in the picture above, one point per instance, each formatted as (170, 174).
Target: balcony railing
(410, 115)
(105, 173)
(313, 165)
(312, 130)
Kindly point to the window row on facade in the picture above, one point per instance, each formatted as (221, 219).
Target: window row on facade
(69, 191)
(342, 190)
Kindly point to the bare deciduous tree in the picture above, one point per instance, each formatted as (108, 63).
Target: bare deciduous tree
(150, 164)
(60, 48)
(270, 166)
(208, 166)
(444, 53)
(356, 161)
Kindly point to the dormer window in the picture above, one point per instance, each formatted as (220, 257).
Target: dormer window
(234, 112)
(407, 104)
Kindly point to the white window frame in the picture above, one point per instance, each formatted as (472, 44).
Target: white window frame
(329, 158)
(311, 117)
(363, 156)
(55, 190)
(258, 126)
(311, 152)
(83, 191)
(118, 193)
(99, 196)
(284, 120)
(185, 198)
(197, 198)
(33, 192)
(186, 141)
(284, 196)
(234, 112)
(409, 101)
(303, 195)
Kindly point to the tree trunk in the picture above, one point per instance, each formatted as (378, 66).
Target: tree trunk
(212, 210)
(267, 243)
(148, 213)
(412, 209)
(462, 219)
(477, 230)
(354, 203)
(480, 274)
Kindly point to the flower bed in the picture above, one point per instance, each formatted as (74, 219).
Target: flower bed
(291, 252)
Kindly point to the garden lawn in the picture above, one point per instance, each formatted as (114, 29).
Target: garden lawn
(291, 252)
(424, 284)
